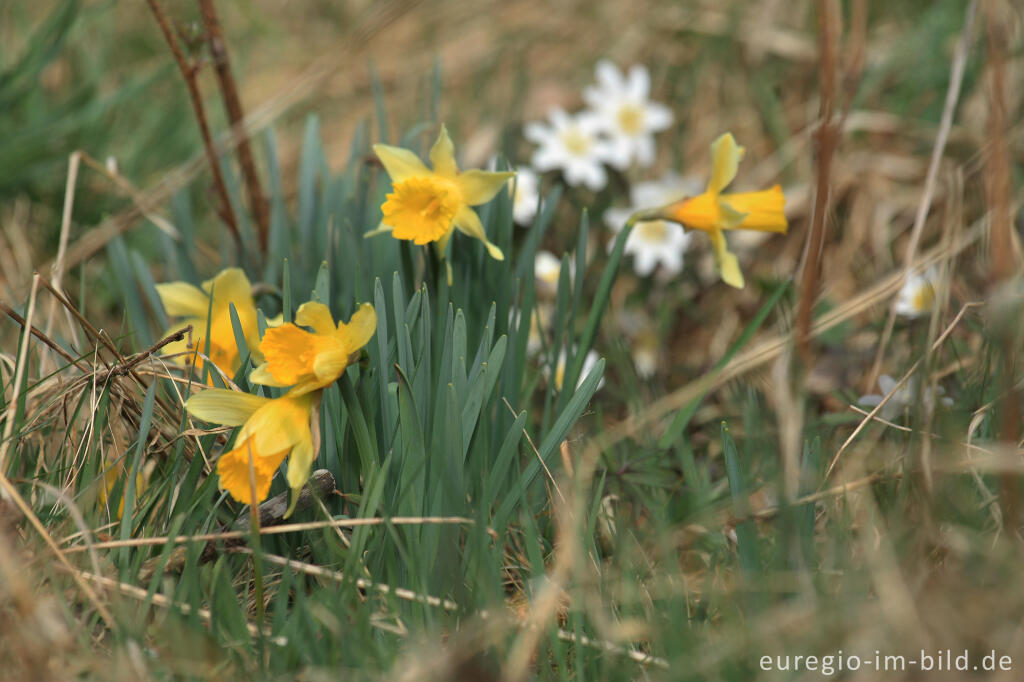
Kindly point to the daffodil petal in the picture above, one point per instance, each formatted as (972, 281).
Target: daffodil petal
(316, 315)
(262, 376)
(442, 155)
(725, 160)
(359, 330)
(329, 365)
(728, 265)
(221, 406)
(400, 164)
(728, 217)
(468, 222)
(182, 299)
(381, 229)
(479, 187)
(299, 464)
(280, 424)
(230, 285)
(306, 386)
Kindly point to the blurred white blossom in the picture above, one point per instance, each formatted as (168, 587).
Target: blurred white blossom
(654, 241)
(572, 145)
(918, 294)
(902, 397)
(626, 114)
(525, 191)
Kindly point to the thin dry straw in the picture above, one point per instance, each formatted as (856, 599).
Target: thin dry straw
(906, 377)
(956, 77)
(276, 530)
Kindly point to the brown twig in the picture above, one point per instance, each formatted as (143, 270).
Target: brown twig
(997, 186)
(856, 51)
(233, 105)
(270, 513)
(10, 312)
(188, 72)
(827, 135)
(383, 14)
(128, 365)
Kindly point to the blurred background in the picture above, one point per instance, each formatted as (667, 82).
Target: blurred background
(686, 546)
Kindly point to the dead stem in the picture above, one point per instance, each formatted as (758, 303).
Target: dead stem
(233, 105)
(1004, 267)
(827, 136)
(188, 72)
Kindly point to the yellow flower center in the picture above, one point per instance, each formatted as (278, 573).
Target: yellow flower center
(654, 231)
(924, 297)
(421, 209)
(575, 142)
(631, 119)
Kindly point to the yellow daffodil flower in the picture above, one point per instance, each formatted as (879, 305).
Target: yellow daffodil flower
(311, 360)
(714, 212)
(272, 428)
(182, 299)
(428, 205)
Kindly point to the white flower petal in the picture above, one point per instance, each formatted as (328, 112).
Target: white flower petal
(615, 218)
(609, 77)
(538, 133)
(618, 152)
(657, 117)
(645, 151)
(639, 86)
(644, 262)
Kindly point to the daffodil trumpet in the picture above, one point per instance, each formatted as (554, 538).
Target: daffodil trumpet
(426, 205)
(310, 360)
(714, 212)
(271, 430)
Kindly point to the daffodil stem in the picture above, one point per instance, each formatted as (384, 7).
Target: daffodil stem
(604, 290)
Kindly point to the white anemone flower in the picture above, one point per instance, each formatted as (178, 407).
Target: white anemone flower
(572, 145)
(525, 191)
(902, 397)
(626, 114)
(918, 294)
(588, 364)
(655, 241)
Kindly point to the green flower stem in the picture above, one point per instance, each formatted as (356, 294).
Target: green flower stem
(604, 290)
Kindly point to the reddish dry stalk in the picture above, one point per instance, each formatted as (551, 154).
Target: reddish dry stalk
(233, 105)
(1003, 266)
(855, 53)
(225, 211)
(827, 136)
